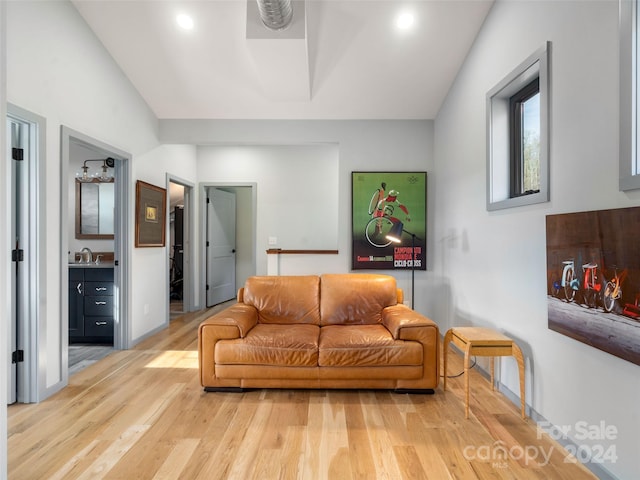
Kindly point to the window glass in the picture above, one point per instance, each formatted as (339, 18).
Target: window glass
(530, 140)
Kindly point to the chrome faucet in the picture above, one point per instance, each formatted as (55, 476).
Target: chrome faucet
(89, 255)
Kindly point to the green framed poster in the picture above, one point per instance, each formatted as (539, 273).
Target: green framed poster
(384, 205)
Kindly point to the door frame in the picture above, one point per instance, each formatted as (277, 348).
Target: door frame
(32, 330)
(122, 243)
(202, 191)
(188, 292)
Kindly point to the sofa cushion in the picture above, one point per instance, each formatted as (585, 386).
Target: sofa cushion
(266, 344)
(284, 299)
(355, 299)
(365, 345)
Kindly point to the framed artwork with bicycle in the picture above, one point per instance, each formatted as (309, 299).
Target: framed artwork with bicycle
(593, 279)
(388, 214)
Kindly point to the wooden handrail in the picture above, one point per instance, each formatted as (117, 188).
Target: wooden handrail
(280, 251)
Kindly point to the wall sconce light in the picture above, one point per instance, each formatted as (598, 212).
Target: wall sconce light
(103, 176)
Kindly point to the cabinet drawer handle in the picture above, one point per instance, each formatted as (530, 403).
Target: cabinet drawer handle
(101, 323)
(101, 303)
(78, 288)
(100, 289)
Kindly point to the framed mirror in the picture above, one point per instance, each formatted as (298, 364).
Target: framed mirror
(95, 210)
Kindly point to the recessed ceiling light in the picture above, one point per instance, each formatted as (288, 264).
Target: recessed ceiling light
(405, 20)
(185, 21)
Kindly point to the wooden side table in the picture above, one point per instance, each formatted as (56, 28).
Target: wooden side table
(483, 342)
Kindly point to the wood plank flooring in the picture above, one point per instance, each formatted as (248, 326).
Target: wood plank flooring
(141, 414)
(83, 355)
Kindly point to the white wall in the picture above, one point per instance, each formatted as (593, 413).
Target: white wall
(245, 258)
(150, 266)
(362, 145)
(57, 68)
(296, 195)
(491, 267)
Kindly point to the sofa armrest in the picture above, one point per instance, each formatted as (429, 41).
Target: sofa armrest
(233, 322)
(243, 317)
(406, 324)
(400, 317)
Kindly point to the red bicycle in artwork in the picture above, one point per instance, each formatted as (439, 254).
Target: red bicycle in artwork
(591, 284)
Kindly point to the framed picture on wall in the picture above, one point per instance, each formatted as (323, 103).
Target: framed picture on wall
(388, 206)
(593, 279)
(150, 215)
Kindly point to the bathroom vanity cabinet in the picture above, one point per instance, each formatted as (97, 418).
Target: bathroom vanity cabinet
(91, 304)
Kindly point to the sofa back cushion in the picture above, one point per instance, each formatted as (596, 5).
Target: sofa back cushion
(355, 299)
(284, 299)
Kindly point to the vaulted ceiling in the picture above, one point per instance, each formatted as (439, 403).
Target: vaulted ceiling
(339, 59)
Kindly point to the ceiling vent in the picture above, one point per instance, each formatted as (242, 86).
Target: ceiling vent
(275, 14)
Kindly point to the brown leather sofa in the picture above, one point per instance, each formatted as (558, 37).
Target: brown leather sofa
(331, 331)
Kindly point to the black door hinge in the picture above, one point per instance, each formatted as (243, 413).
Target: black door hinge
(17, 154)
(17, 255)
(207, 287)
(17, 356)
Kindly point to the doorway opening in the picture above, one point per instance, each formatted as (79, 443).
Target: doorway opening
(180, 246)
(176, 250)
(228, 239)
(95, 262)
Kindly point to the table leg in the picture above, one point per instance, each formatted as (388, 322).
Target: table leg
(517, 353)
(445, 350)
(492, 365)
(466, 380)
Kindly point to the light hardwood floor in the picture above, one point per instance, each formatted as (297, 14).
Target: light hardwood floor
(141, 414)
(81, 356)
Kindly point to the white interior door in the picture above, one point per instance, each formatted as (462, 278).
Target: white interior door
(18, 135)
(221, 246)
(12, 378)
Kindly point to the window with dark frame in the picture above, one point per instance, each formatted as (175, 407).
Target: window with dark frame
(524, 139)
(518, 135)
